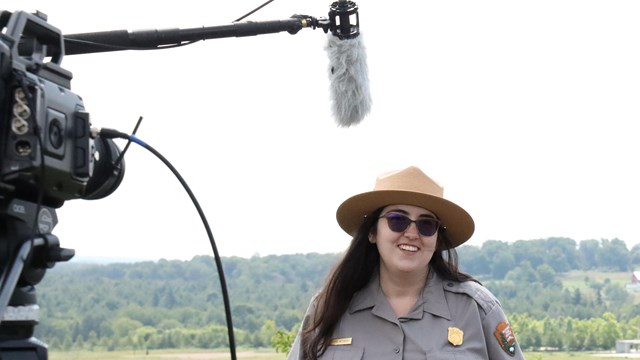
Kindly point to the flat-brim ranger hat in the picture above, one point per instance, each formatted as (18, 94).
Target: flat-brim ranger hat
(409, 186)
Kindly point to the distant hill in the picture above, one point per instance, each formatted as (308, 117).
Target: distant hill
(104, 260)
(93, 302)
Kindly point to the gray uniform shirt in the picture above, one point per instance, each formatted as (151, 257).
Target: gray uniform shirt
(451, 320)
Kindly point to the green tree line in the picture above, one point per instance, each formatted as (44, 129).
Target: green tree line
(178, 304)
(496, 258)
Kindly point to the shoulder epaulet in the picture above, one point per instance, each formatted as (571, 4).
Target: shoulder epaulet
(481, 295)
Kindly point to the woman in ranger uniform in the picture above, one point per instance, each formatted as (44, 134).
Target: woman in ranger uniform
(397, 292)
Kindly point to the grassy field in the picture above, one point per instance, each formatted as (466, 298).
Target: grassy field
(269, 355)
(165, 355)
(578, 356)
(583, 279)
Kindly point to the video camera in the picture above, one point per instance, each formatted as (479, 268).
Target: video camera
(47, 156)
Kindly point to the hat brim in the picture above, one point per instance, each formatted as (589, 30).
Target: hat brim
(458, 223)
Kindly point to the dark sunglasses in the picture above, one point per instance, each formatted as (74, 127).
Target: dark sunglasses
(399, 223)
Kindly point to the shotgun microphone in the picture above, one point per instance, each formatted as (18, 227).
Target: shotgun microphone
(348, 70)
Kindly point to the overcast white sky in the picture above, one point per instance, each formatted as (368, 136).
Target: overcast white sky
(525, 111)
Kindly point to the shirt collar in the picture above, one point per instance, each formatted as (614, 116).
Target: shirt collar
(433, 299)
(368, 296)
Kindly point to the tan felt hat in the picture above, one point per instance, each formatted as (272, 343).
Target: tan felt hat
(409, 186)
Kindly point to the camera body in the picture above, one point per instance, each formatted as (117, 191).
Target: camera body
(48, 155)
(46, 149)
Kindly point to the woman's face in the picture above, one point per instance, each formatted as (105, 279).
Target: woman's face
(407, 251)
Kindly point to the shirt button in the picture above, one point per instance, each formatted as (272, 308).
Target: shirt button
(396, 350)
(450, 284)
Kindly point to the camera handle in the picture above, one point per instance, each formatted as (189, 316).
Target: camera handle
(25, 259)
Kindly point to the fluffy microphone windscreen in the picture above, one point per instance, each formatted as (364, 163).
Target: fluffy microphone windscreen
(349, 80)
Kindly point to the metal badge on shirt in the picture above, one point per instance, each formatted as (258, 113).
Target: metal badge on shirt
(455, 336)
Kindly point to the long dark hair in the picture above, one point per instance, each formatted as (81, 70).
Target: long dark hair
(353, 272)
